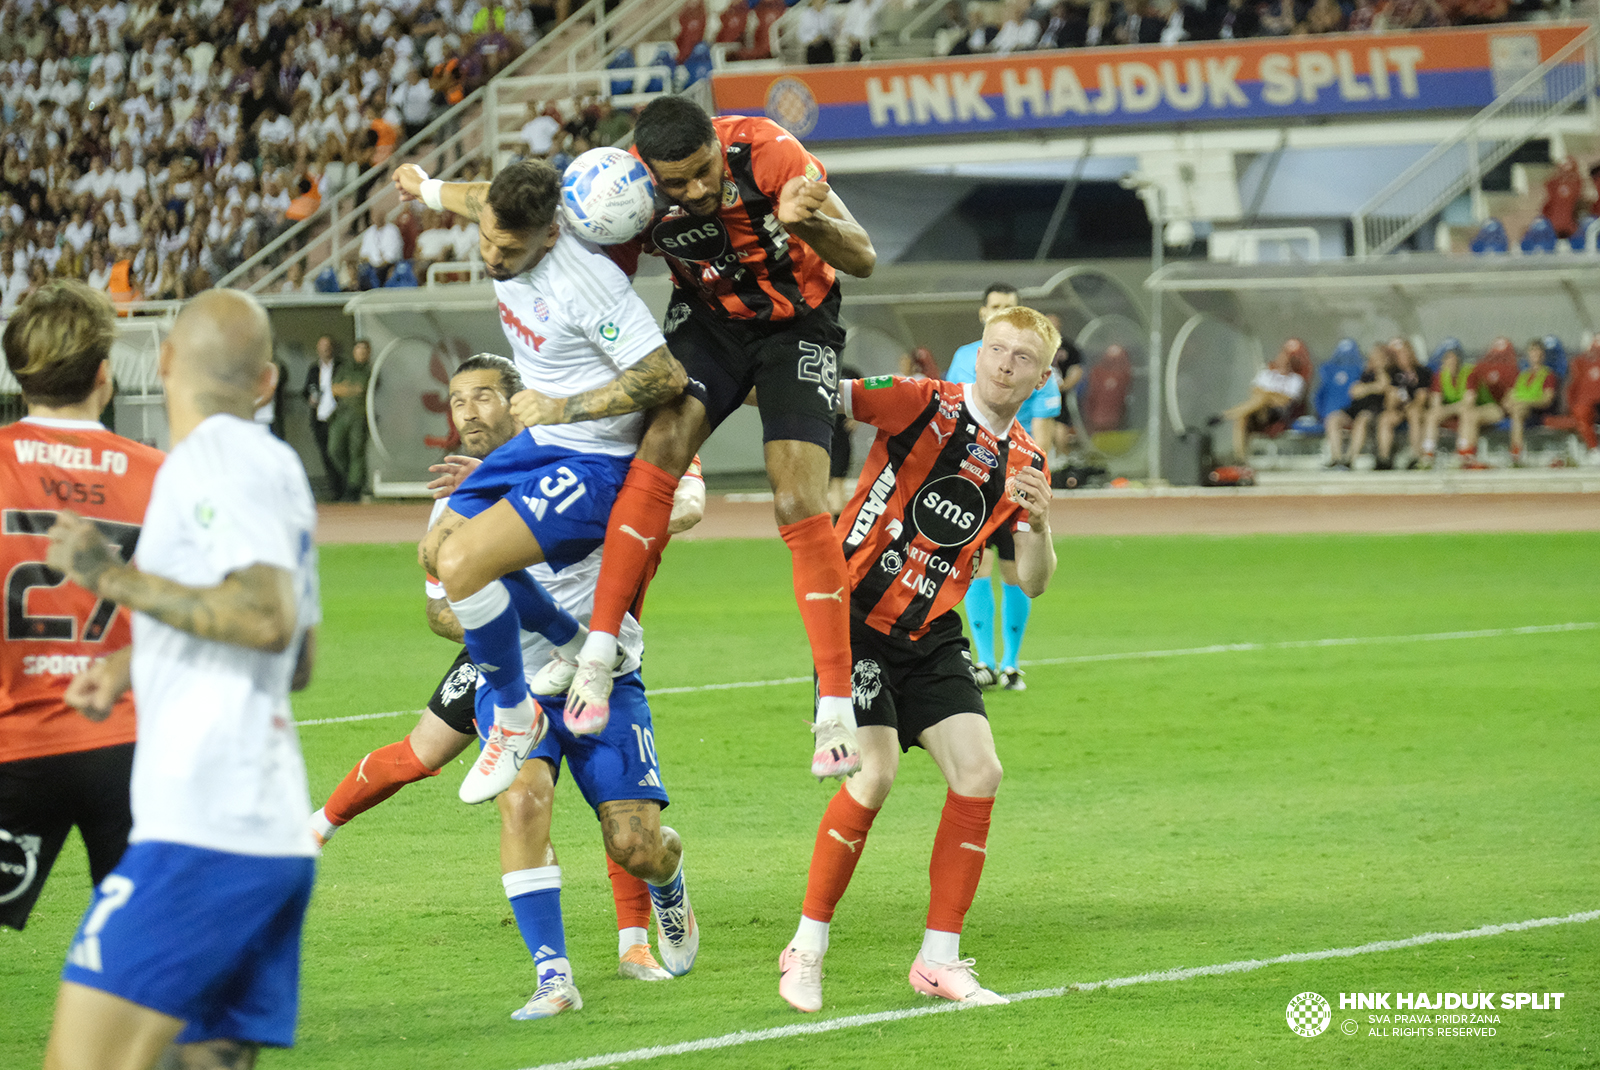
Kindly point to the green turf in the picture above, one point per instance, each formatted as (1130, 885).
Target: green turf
(1156, 813)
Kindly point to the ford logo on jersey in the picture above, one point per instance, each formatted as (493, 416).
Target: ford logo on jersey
(982, 455)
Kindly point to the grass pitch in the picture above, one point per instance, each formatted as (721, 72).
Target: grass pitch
(1157, 813)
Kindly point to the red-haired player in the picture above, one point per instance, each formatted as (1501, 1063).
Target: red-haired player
(951, 466)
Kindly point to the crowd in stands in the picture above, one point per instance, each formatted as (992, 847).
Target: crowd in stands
(150, 147)
(1352, 395)
(1570, 214)
(843, 30)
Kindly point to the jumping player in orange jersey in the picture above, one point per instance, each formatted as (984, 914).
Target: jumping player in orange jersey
(951, 466)
(753, 236)
(57, 768)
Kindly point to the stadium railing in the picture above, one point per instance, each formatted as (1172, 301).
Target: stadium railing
(1457, 165)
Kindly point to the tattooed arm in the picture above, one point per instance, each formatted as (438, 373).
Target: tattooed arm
(655, 379)
(442, 620)
(462, 198)
(252, 607)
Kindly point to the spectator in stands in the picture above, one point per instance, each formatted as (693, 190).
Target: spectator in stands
(539, 132)
(1532, 394)
(1324, 16)
(611, 126)
(381, 248)
(1019, 32)
(1274, 392)
(817, 26)
(415, 100)
(1563, 192)
(1406, 403)
(435, 243)
(859, 27)
(979, 32)
(1367, 397)
(1066, 27)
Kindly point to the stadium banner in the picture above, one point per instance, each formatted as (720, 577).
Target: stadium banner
(1131, 86)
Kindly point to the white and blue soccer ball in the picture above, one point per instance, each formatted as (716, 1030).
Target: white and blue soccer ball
(607, 196)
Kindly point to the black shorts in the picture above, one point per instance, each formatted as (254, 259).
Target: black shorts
(911, 685)
(452, 699)
(40, 800)
(839, 452)
(793, 366)
(1003, 543)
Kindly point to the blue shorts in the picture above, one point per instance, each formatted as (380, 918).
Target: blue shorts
(619, 763)
(206, 936)
(564, 497)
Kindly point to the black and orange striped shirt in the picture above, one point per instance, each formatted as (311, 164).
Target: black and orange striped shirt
(932, 493)
(741, 262)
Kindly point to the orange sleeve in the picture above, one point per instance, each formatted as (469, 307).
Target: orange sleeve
(776, 156)
(889, 402)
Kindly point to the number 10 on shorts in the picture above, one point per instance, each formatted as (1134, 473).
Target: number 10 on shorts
(564, 485)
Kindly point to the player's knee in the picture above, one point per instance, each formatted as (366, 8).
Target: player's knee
(455, 569)
(978, 777)
(636, 851)
(870, 787)
(525, 807)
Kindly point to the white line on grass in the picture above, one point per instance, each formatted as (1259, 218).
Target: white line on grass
(743, 1037)
(1084, 659)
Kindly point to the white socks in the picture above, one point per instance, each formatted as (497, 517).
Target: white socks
(627, 938)
(600, 647)
(834, 708)
(943, 948)
(811, 936)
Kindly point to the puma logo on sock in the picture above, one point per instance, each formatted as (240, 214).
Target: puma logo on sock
(974, 847)
(848, 843)
(823, 596)
(636, 535)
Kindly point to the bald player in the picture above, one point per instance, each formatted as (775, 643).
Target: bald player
(194, 937)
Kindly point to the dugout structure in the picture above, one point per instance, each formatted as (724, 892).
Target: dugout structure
(1231, 318)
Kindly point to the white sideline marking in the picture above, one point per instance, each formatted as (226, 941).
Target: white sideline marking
(1084, 659)
(734, 1040)
(1304, 644)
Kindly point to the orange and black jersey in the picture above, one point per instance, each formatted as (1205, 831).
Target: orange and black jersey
(55, 629)
(932, 493)
(741, 263)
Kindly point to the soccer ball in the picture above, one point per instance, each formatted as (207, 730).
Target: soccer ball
(607, 196)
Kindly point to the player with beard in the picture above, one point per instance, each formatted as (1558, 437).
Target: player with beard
(480, 393)
(753, 236)
(577, 330)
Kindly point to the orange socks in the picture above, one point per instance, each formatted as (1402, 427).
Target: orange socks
(379, 775)
(632, 897)
(840, 840)
(635, 536)
(822, 589)
(959, 848)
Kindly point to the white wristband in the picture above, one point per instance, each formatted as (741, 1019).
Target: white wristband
(430, 193)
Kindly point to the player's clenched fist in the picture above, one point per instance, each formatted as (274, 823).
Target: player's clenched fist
(801, 198)
(408, 179)
(1031, 490)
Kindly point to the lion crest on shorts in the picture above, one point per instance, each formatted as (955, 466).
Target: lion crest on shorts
(866, 681)
(458, 683)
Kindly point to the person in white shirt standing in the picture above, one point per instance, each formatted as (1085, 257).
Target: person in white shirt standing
(578, 330)
(194, 938)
